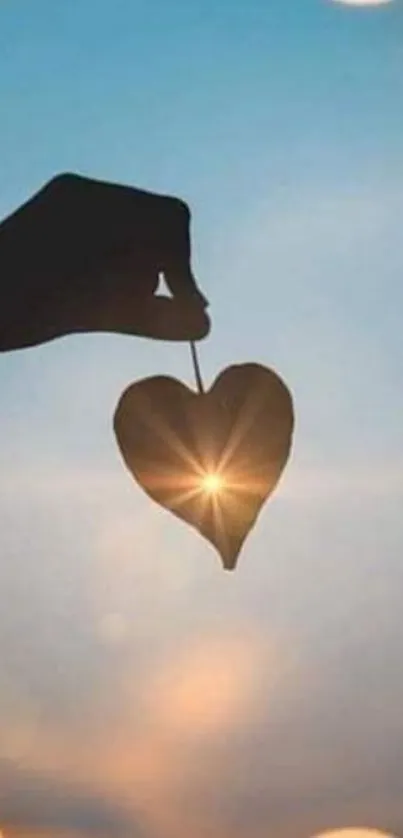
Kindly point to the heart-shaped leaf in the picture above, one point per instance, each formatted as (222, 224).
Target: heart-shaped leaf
(212, 458)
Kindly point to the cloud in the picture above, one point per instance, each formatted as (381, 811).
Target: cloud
(32, 801)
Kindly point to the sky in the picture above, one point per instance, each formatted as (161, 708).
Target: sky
(143, 691)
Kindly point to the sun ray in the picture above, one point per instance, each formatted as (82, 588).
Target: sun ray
(169, 436)
(245, 421)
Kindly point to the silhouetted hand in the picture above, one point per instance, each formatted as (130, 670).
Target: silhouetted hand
(86, 256)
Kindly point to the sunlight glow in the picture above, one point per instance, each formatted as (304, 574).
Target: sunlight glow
(210, 482)
(355, 833)
(213, 483)
(208, 688)
(363, 2)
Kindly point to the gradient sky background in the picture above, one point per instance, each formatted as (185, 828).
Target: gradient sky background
(143, 692)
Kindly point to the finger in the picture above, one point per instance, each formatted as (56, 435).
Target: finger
(115, 221)
(169, 320)
(161, 319)
(176, 267)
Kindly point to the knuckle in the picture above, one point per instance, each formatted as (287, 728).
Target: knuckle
(181, 208)
(63, 182)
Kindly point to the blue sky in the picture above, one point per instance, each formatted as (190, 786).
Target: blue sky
(281, 124)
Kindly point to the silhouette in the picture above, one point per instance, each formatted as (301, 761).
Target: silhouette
(212, 458)
(86, 256)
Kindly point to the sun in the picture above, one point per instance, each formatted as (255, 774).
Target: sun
(212, 483)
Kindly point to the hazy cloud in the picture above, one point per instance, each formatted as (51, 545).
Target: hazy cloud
(31, 801)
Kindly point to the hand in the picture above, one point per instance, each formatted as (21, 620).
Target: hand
(85, 256)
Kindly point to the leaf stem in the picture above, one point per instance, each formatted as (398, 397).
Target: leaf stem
(196, 367)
